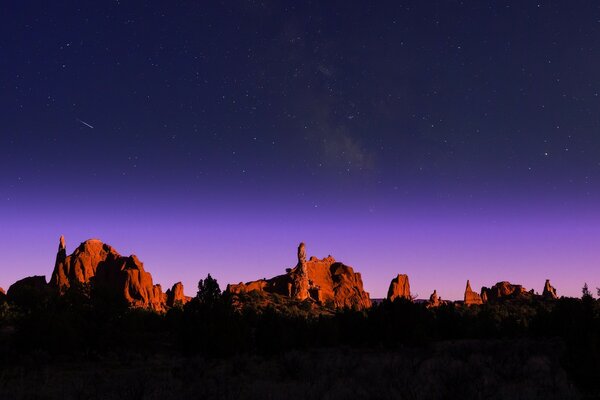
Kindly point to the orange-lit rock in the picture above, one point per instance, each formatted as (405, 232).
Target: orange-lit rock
(549, 291)
(399, 288)
(471, 297)
(260, 285)
(504, 290)
(124, 276)
(81, 265)
(175, 295)
(325, 281)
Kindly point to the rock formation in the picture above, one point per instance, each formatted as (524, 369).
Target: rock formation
(2, 295)
(324, 281)
(175, 296)
(299, 287)
(434, 300)
(471, 297)
(123, 276)
(504, 290)
(301, 253)
(81, 265)
(399, 288)
(549, 291)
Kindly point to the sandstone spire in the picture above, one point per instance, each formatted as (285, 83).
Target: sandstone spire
(59, 279)
(434, 300)
(399, 288)
(470, 296)
(62, 245)
(301, 253)
(300, 284)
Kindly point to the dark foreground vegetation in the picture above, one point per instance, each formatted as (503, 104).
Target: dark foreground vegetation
(84, 345)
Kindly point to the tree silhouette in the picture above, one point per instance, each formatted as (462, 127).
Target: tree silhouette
(209, 291)
(586, 294)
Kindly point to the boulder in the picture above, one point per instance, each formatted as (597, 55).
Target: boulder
(323, 281)
(471, 298)
(399, 288)
(504, 290)
(28, 291)
(175, 295)
(124, 277)
(549, 291)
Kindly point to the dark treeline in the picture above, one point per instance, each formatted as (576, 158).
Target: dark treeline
(87, 324)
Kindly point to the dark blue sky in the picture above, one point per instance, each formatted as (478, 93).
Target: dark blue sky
(475, 111)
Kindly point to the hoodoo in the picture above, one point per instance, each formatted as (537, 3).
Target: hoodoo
(549, 291)
(399, 288)
(324, 281)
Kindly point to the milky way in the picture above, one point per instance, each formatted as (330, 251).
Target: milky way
(445, 140)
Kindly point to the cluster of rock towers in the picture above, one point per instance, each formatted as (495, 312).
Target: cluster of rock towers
(326, 281)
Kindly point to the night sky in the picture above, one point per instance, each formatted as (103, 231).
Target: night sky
(446, 140)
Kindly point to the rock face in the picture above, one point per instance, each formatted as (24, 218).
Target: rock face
(471, 297)
(175, 295)
(123, 276)
(301, 253)
(325, 281)
(80, 266)
(399, 288)
(549, 291)
(504, 290)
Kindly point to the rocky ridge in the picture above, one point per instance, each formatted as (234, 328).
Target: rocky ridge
(324, 281)
(122, 277)
(504, 290)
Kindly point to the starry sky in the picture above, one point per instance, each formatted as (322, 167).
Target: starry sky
(447, 140)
